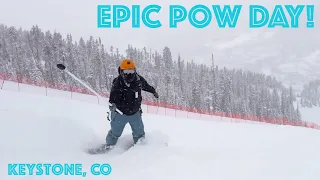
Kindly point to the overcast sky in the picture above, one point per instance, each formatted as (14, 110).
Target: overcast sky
(79, 18)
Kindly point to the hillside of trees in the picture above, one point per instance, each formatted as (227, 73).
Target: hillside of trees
(34, 53)
(310, 95)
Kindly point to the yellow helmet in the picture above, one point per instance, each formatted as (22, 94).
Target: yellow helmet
(127, 64)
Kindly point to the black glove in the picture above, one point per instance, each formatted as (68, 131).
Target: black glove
(112, 107)
(156, 95)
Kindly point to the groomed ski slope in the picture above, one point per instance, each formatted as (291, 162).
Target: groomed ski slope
(40, 129)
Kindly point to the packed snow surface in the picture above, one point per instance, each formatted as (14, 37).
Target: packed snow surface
(39, 129)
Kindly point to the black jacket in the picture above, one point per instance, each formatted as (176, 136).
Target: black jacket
(128, 98)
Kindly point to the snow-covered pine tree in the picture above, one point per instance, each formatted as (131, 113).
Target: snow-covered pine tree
(310, 95)
(178, 81)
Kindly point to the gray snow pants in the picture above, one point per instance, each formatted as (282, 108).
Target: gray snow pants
(118, 123)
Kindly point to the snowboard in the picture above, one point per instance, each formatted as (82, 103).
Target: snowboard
(103, 149)
(125, 143)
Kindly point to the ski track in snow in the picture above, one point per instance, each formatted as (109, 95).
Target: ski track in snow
(39, 129)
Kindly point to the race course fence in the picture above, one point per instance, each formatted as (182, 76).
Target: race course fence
(22, 84)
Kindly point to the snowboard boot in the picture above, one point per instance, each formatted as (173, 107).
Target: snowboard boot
(141, 140)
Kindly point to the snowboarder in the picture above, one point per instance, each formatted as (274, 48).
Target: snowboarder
(126, 96)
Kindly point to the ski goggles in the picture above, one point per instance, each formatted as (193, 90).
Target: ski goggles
(129, 71)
